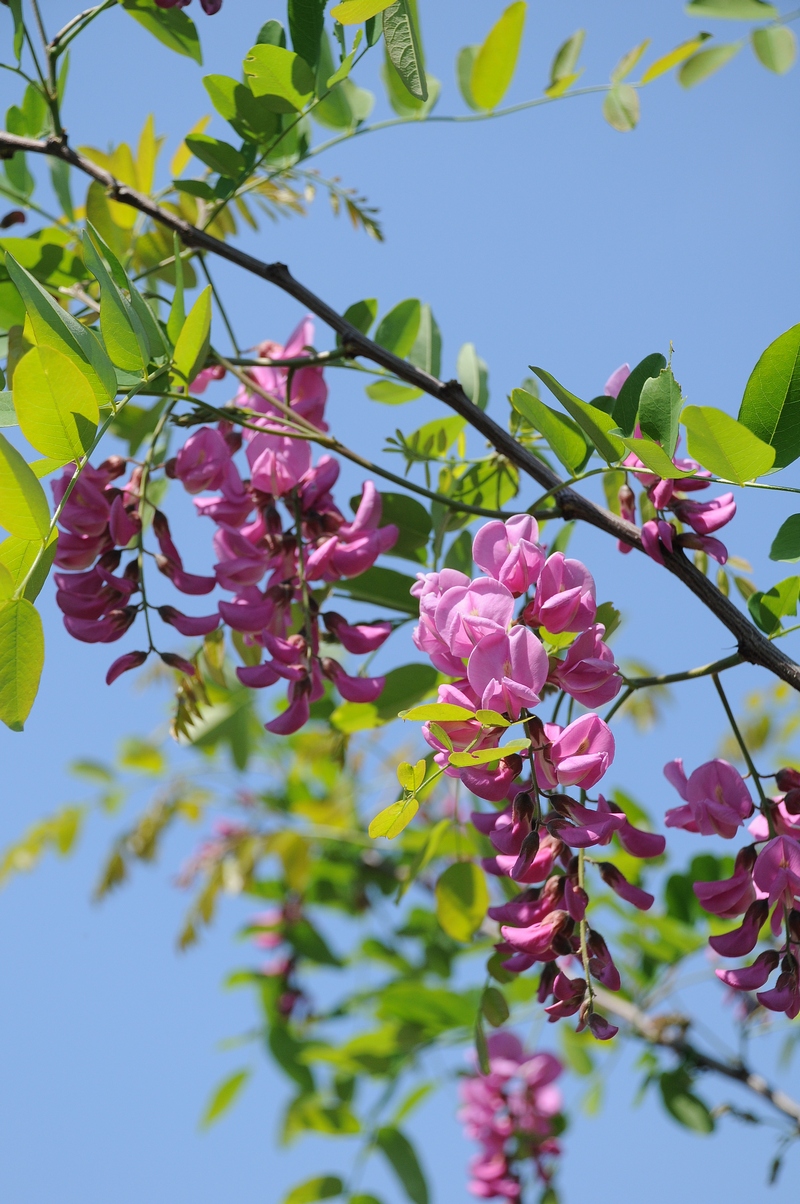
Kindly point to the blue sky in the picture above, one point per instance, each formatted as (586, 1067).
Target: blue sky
(544, 238)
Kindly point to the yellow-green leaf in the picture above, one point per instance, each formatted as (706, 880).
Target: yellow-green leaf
(776, 47)
(461, 900)
(656, 459)
(621, 108)
(410, 776)
(491, 718)
(628, 61)
(391, 821)
(563, 69)
(223, 1097)
(565, 439)
(21, 660)
(441, 712)
(18, 556)
(23, 505)
(724, 445)
(353, 12)
(703, 64)
(280, 76)
(679, 55)
(56, 405)
(594, 422)
(496, 60)
(123, 333)
(191, 348)
(484, 756)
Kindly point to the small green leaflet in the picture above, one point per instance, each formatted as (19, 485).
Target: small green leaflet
(621, 108)
(393, 819)
(473, 375)
(564, 68)
(440, 712)
(596, 424)
(401, 1156)
(464, 64)
(281, 76)
(55, 404)
(392, 393)
(656, 459)
(776, 47)
(18, 555)
(123, 334)
(401, 39)
(723, 445)
(786, 544)
(410, 776)
(461, 900)
(218, 155)
(323, 1187)
(625, 408)
(223, 1098)
(496, 60)
(353, 12)
(171, 26)
(485, 756)
(382, 587)
(306, 23)
(732, 10)
(771, 404)
(192, 346)
(659, 409)
(674, 57)
(563, 436)
(24, 511)
(494, 1006)
(703, 64)
(21, 660)
(397, 331)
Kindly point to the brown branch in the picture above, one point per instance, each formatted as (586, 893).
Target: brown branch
(669, 1032)
(751, 644)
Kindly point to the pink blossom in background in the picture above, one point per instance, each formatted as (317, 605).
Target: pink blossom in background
(565, 596)
(509, 552)
(577, 755)
(616, 380)
(717, 799)
(588, 673)
(202, 463)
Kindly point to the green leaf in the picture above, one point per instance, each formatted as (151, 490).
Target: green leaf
(473, 375)
(485, 756)
(703, 64)
(732, 10)
(565, 62)
(660, 408)
(563, 436)
(401, 1156)
(54, 327)
(223, 1098)
(24, 511)
(621, 107)
(393, 819)
(776, 47)
(481, 1046)
(404, 687)
(392, 393)
(628, 61)
(771, 404)
(351, 717)
(679, 55)
(218, 155)
(353, 12)
(433, 440)
(462, 898)
(362, 314)
(123, 334)
(767, 609)
(192, 346)
(723, 445)
(494, 1006)
(21, 660)
(464, 65)
(412, 520)
(459, 554)
(610, 617)
(426, 350)
(17, 557)
(496, 59)
(306, 23)
(250, 116)
(786, 544)
(656, 459)
(169, 25)
(281, 76)
(625, 409)
(55, 404)
(8, 416)
(593, 422)
(382, 587)
(398, 330)
(441, 712)
(403, 47)
(19, 27)
(323, 1187)
(686, 1108)
(409, 776)
(177, 311)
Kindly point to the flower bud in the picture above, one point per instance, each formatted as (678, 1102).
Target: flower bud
(788, 779)
(131, 660)
(177, 662)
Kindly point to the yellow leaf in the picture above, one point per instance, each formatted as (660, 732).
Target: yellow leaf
(391, 821)
(676, 56)
(353, 12)
(496, 59)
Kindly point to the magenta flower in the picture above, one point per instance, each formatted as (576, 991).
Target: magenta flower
(131, 660)
(189, 625)
(123, 524)
(588, 672)
(717, 799)
(428, 589)
(466, 613)
(748, 978)
(537, 939)
(616, 380)
(508, 552)
(101, 631)
(706, 543)
(743, 940)
(508, 671)
(730, 896)
(277, 463)
(777, 871)
(356, 546)
(565, 596)
(615, 878)
(353, 689)
(706, 517)
(492, 785)
(205, 377)
(594, 827)
(577, 755)
(202, 463)
(309, 391)
(294, 717)
(363, 638)
(249, 611)
(785, 995)
(656, 533)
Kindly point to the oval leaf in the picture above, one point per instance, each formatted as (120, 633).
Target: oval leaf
(786, 544)
(621, 108)
(391, 821)
(403, 48)
(563, 436)
(323, 1187)
(281, 76)
(775, 47)
(625, 408)
(679, 55)
(703, 64)
(462, 898)
(223, 1098)
(403, 1160)
(484, 756)
(439, 712)
(771, 404)
(23, 506)
(191, 348)
(56, 405)
(732, 10)
(398, 330)
(723, 445)
(496, 59)
(659, 409)
(596, 424)
(21, 660)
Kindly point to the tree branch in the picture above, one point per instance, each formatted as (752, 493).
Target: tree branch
(669, 1032)
(752, 645)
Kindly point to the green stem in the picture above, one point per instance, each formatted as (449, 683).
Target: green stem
(584, 929)
(665, 679)
(745, 753)
(220, 305)
(143, 503)
(570, 481)
(620, 702)
(62, 39)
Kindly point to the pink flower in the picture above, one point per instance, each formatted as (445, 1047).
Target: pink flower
(492, 784)
(577, 755)
(588, 672)
(189, 625)
(717, 800)
(123, 524)
(202, 462)
(277, 463)
(777, 871)
(742, 940)
(233, 506)
(363, 638)
(239, 562)
(594, 827)
(294, 717)
(565, 596)
(705, 543)
(309, 391)
(466, 613)
(206, 375)
(101, 631)
(615, 878)
(654, 534)
(428, 589)
(317, 482)
(730, 896)
(356, 546)
(508, 671)
(353, 689)
(508, 552)
(537, 939)
(748, 978)
(706, 517)
(616, 380)
(87, 509)
(131, 660)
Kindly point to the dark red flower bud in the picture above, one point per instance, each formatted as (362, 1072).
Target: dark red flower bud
(14, 218)
(546, 981)
(170, 467)
(791, 801)
(131, 660)
(530, 847)
(788, 779)
(177, 662)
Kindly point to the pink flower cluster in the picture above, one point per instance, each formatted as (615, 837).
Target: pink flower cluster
(765, 884)
(469, 630)
(512, 1112)
(252, 541)
(703, 518)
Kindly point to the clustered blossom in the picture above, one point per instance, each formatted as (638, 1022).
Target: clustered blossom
(268, 561)
(498, 662)
(765, 885)
(702, 518)
(512, 1112)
